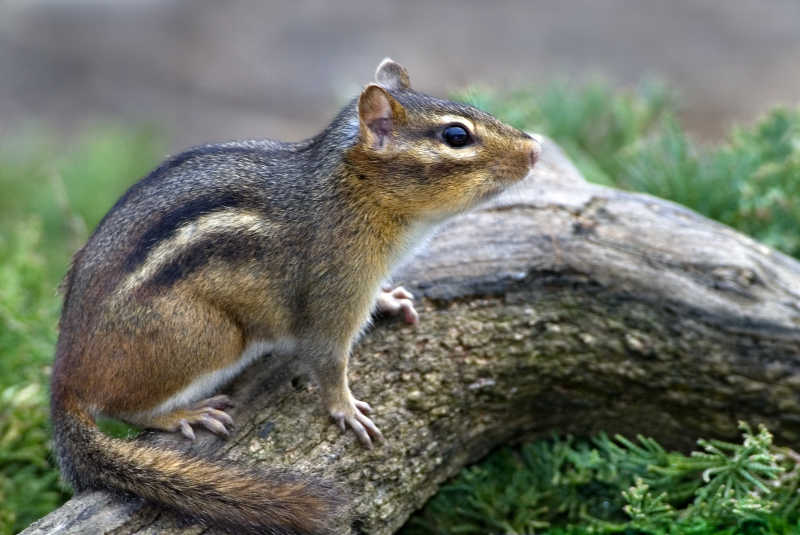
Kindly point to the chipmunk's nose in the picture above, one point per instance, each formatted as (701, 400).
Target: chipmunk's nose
(535, 151)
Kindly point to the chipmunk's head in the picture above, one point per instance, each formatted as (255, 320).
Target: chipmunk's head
(427, 157)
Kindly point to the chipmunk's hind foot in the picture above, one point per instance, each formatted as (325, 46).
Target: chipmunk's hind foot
(209, 413)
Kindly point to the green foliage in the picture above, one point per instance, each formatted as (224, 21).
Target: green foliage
(69, 188)
(764, 164)
(751, 183)
(28, 315)
(28, 308)
(645, 509)
(617, 486)
(29, 486)
(52, 196)
(632, 140)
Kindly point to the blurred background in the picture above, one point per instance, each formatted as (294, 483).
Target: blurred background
(200, 70)
(94, 93)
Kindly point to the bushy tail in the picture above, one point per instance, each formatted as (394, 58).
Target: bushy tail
(226, 495)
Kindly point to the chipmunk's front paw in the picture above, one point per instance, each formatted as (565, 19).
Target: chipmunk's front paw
(354, 414)
(397, 300)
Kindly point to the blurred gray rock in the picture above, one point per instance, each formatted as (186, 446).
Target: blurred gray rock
(202, 70)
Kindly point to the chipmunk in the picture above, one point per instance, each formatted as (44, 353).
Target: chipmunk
(228, 252)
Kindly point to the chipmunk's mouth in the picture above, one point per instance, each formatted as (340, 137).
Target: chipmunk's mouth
(507, 177)
(493, 191)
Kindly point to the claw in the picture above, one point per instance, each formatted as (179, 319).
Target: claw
(361, 433)
(363, 406)
(371, 428)
(186, 430)
(214, 425)
(222, 416)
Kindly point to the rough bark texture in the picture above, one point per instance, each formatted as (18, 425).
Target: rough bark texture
(562, 306)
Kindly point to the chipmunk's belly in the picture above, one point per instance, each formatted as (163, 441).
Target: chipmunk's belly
(206, 384)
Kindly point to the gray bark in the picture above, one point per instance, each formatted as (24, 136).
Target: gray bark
(561, 306)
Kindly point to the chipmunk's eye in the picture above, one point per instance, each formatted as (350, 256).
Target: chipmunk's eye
(456, 135)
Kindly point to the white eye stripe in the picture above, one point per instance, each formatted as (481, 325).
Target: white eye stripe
(461, 153)
(436, 149)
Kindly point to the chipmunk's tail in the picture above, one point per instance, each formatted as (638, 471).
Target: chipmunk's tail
(230, 496)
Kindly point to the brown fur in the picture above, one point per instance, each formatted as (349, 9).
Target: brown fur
(226, 247)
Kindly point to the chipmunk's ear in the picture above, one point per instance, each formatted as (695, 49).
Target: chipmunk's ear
(392, 75)
(379, 115)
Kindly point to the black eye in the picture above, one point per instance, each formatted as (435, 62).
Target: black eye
(456, 135)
